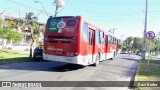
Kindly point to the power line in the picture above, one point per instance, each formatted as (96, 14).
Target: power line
(90, 11)
(115, 20)
(25, 6)
(124, 3)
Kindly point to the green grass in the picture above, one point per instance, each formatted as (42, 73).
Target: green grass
(151, 73)
(12, 56)
(153, 68)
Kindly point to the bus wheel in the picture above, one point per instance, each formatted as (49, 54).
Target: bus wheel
(97, 60)
(113, 56)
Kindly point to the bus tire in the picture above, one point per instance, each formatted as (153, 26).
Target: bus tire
(113, 56)
(97, 60)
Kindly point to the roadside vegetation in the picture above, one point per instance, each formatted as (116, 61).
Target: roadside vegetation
(7, 56)
(135, 44)
(151, 73)
(26, 30)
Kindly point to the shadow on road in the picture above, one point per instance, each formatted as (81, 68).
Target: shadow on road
(41, 66)
(131, 59)
(67, 67)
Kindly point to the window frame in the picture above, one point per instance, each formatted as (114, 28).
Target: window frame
(85, 31)
(72, 24)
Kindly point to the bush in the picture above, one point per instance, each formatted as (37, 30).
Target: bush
(40, 42)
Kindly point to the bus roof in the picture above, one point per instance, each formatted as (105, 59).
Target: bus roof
(66, 17)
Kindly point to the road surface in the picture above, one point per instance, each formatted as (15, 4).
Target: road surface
(122, 68)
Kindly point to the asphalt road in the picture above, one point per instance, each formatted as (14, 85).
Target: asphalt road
(122, 68)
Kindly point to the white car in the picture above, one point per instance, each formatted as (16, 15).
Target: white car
(119, 51)
(18, 46)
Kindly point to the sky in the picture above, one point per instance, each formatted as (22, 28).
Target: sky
(125, 16)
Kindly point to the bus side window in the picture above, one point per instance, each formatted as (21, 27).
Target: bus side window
(97, 36)
(85, 32)
(110, 40)
(90, 37)
(102, 37)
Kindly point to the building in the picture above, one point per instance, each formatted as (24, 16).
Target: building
(9, 20)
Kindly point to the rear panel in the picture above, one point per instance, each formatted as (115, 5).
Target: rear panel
(61, 36)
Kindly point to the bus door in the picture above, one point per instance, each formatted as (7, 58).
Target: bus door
(106, 46)
(91, 42)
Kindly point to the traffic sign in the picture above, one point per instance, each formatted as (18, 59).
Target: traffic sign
(150, 35)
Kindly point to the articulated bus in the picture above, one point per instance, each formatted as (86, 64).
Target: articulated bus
(75, 40)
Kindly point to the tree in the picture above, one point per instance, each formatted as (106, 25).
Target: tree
(10, 33)
(128, 41)
(119, 46)
(137, 43)
(29, 22)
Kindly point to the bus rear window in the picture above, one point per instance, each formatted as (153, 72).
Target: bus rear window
(71, 22)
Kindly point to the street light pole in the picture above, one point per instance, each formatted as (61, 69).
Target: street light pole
(3, 19)
(59, 4)
(56, 11)
(42, 6)
(144, 34)
(122, 36)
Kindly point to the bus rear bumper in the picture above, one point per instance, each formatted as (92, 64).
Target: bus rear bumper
(74, 60)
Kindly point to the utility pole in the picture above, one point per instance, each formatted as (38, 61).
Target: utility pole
(3, 19)
(144, 34)
(56, 11)
(112, 30)
(122, 36)
(59, 4)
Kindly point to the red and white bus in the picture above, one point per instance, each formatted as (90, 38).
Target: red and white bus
(73, 39)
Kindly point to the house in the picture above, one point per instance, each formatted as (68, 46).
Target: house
(9, 20)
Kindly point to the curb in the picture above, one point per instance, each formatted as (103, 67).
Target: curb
(136, 74)
(134, 77)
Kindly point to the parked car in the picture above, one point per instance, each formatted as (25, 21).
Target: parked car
(124, 52)
(139, 53)
(18, 46)
(38, 53)
(119, 51)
